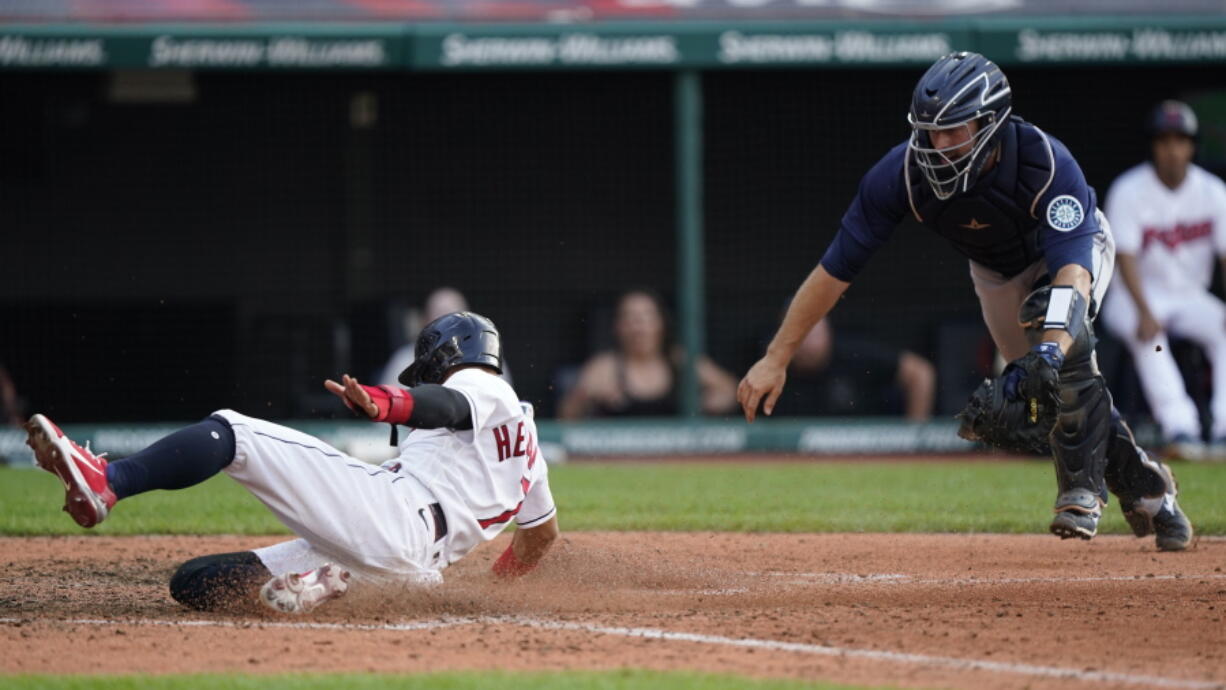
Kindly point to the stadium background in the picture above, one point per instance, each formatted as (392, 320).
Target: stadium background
(220, 237)
(208, 203)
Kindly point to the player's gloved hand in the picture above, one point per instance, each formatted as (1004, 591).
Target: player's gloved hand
(1035, 376)
(1014, 425)
(379, 403)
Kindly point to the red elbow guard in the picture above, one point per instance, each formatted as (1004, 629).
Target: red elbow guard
(508, 565)
(395, 404)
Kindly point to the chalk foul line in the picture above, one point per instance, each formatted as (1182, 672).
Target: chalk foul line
(901, 579)
(879, 655)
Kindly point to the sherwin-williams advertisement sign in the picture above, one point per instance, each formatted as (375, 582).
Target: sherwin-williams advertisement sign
(170, 47)
(679, 46)
(1139, 44)
(610, 45)
(22, 51)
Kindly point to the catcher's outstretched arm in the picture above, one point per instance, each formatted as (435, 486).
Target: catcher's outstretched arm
(813, 300)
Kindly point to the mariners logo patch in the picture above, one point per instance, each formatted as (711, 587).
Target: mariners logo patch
(1064, 213)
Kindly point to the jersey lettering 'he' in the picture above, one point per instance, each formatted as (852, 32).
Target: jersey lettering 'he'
(525, 444)
(1173, 237)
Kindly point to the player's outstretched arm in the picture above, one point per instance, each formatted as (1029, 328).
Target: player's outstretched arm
(528, 547)
(764, 382)
(354, 395)
(428, 406)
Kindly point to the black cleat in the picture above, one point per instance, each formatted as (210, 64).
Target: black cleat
(1069, 524)
(1172, 528)
(1141, 522)
(1077, 514)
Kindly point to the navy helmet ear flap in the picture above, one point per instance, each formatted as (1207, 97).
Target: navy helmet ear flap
(411, 376)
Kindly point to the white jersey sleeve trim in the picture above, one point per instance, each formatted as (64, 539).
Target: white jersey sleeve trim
(538, 504)
(537, 520)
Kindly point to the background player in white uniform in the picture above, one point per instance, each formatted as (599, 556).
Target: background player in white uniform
(468, 468)
(1169, 220)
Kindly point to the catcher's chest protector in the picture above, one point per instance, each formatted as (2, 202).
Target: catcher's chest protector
(992, 224)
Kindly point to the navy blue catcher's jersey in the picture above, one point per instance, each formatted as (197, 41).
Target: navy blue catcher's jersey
(1033, 204)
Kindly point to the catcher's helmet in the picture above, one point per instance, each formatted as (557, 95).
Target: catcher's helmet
(958, 89)
(1172, 116)
(452, 340)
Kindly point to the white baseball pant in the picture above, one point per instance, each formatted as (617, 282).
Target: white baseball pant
(1196, 315)
(374, 522)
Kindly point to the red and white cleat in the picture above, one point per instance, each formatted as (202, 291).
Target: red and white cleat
(303, 592)
(88, 495)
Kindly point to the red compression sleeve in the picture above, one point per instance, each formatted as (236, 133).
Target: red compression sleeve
(395, 404)
(508, 565)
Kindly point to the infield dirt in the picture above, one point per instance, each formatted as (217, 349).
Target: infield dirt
(964, 611)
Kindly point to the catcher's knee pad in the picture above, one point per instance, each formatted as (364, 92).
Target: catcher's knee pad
(209, 583)
(1131, 474)
(1079, 441)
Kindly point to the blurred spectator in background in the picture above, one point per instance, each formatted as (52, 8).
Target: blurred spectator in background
(849, 376)
(639, 378)
(1169, 220)
(10, 404)
(441, 301)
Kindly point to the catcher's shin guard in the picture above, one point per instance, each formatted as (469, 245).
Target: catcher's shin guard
(1146, 489)
(1131, 475)
(1080, 438)
(1079, 448)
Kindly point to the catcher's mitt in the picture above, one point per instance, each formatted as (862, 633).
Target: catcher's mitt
(1017, 425)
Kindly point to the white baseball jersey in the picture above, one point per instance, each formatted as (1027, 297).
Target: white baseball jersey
(1174, 233)
(485, 477)
(377, 521)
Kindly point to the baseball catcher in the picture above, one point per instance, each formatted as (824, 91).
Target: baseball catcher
(1012, 199)
(470, 466)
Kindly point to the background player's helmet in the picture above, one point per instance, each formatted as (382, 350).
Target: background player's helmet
(1172, 116)
(957, 90)
(452, 340)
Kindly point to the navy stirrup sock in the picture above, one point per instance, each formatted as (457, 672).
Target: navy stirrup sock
(185, 458)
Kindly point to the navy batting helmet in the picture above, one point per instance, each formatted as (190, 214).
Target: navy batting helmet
(452, 340)
(1172, 116)
(957, 90)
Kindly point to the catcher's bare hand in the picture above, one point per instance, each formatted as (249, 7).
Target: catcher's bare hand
(763, 382)
(351, 393)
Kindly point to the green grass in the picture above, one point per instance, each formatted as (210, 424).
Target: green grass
(494, 680)
(1012, 497)
(30, 503)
